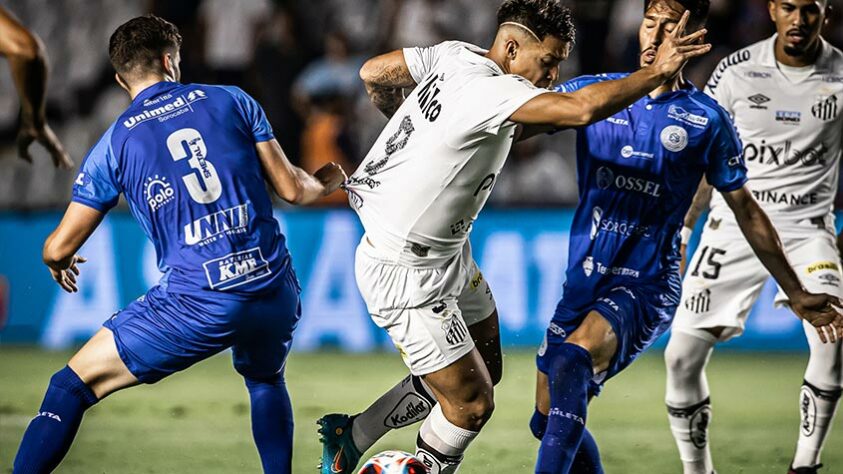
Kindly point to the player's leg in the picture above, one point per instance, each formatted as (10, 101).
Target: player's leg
(263, 341)
(411, 400)
(723, 280)
(817, 262)
(465, 394)
(587, 459)
(687, 395)
(92, 374)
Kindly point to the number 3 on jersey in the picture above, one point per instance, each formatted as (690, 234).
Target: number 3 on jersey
(209, 189)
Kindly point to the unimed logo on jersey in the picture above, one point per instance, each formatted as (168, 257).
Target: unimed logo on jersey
(826, 108)
(236, 269)
(178, 106)
(207, 229)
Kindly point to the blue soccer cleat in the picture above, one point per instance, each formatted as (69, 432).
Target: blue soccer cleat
(339, 454)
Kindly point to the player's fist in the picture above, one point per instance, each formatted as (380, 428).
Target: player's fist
(331, 176)
(822, 311)
(44, 135)
(678, 48)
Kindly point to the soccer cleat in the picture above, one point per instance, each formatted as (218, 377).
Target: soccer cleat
(339, 454)
(805, 470)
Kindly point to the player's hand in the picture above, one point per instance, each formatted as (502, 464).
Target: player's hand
(331, 176)
(44, 135)
(67, 278)
(823, 312)
(678, 48)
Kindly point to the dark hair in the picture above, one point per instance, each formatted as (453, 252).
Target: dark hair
(698, 9)
(543, 17)
(136, 46)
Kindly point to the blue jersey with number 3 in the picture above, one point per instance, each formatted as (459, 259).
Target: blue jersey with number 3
(184, 157)
(638, 171)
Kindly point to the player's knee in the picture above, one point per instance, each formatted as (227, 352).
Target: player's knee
(473, 411)
(682, 362)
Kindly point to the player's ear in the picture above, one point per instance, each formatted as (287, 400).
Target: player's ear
(511, 48)
(771, 8)
(121, 82)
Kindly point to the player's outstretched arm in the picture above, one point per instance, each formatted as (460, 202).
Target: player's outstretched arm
(818, 309)
(385, 77)
(292, 183)
(28, 62)
(60, 248)
(598, 101)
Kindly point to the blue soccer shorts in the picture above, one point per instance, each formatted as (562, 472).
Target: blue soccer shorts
(638, 314)
(162, 333)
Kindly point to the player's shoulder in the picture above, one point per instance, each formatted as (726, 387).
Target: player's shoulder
(582, 81)
(752, 56)
(832, 58)
(709, 108)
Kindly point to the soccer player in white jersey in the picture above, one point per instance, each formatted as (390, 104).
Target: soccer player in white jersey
(418, 192)
(785, 94)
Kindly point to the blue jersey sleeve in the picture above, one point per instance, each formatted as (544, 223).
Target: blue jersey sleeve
(253, 114)
(578, 83)
(96, 185)
(726, 167)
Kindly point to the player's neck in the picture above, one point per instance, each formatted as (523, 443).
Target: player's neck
(141, 85)
(807, 59)
(671, 86)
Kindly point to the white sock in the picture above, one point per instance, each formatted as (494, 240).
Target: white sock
(818, 398)
(404, 404)
(687, 397)
(441, 444)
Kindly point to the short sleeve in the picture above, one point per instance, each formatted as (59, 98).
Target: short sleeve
(726, 167)
(490, 101)
(718, 86)
(578, 83)
(97, 185)
(253, 114)
(420, 61)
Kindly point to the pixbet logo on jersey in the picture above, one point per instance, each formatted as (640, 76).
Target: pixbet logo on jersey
(158, 192)
(606, 178)
(236, 269)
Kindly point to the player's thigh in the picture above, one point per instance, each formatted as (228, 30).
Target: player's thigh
(264, 334)
(720, 286)
(99, 365)
(596, 335)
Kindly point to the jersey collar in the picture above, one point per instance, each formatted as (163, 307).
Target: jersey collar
(152, 90)
(687, 89)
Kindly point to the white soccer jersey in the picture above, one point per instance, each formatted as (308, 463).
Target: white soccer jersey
(421, 186)
(792, 131)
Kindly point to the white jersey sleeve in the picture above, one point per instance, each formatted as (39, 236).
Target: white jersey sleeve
(420, 61)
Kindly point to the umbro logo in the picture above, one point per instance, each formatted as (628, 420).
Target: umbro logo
(758, 100)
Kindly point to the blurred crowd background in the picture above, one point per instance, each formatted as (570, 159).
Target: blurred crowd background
(299, 59)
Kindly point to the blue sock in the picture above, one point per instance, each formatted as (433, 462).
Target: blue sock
(587, 460)
(570, 372)
(272, 423)
(538, 424)
(51, 432)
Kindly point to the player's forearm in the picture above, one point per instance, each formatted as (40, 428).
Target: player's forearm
(29, 72)
(700, 203)
(310, 189)
(765, 242)
(604, 99)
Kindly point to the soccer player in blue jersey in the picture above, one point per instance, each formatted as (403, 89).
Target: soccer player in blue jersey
(637, 174)
(192, 161)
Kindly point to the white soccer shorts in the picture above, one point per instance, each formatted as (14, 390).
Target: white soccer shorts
(426, 311)
(724, 277)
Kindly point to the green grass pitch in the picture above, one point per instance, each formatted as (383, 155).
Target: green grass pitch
(198, 421)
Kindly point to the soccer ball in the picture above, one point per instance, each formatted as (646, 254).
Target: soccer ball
(393, 462)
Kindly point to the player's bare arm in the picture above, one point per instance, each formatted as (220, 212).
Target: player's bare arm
(28, 62)
(817, 309)
(385, 77)
(599, 101)
(292, 183)
(60, 248)
(702, 198)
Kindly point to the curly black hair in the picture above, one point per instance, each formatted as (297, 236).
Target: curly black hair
(136, 46)
(698, 8)
(543, 17)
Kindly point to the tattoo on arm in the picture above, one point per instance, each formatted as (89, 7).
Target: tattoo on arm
(385, 87)
(700, 203)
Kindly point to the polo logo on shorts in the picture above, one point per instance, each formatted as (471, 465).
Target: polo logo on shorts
(236, 269)
(455, 330)
(819, 266)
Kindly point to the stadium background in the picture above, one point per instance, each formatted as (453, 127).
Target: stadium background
(300, 60)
